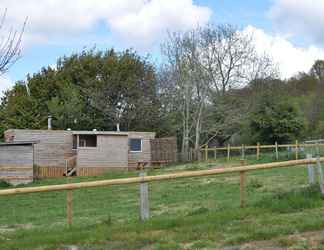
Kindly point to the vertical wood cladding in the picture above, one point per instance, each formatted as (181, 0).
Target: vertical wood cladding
(48, 172)
(16, 163)
(53, 146)
(164, 149)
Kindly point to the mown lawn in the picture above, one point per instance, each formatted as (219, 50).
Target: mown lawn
(195, 213)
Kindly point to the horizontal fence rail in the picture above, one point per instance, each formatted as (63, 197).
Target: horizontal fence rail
(266, 146)
(143, 180)
(132, 180)
(296, 147)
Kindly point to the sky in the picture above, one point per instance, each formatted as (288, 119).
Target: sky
(290, 31)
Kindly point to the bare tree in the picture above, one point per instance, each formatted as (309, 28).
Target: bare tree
(231, 62)
(208, 63)
(10, 44)
(182, 55)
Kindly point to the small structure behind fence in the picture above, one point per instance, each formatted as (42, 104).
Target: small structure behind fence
(17, 162)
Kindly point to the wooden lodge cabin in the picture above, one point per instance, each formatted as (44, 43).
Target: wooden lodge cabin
(83, 153)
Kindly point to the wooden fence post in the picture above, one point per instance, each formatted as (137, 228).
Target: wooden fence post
(242, 186)
(144, 199)
(310, 170)
(206, 152)
(69, 208)
(69, 205)
(296, 150)
(243, 151)
(228, 151)
(242, 189)
(277, 152)
(258, 150)
(320, 174)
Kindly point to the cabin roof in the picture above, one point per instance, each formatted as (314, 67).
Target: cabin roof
(100, 133)
(87, 132)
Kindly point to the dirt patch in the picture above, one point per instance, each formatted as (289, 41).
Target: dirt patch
(308, 241)
(8, 229)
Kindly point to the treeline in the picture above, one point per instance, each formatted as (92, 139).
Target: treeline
(211, 87)
(90, 90)
(284, 110)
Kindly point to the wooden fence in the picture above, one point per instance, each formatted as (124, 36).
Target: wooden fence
(164, 149)
(143, 181)
(242, 149)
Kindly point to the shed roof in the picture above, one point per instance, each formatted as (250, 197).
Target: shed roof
(100, 133)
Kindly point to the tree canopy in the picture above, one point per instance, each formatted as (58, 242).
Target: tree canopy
(191, 94)
(90, 90)
(274, 120)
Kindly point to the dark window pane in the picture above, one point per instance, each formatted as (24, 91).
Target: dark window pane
(87, 141)
(135, 145)
(75, 142)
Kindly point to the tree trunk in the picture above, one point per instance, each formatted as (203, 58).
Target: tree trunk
(185, 140)
(198, 130)
(197, 138)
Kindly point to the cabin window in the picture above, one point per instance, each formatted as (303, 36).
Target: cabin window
(87, 140)
(135, 145)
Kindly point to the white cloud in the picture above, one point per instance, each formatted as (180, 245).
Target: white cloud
(300, 17)
(290, 59)
(5, 83)
(157, 16)
(138, 21)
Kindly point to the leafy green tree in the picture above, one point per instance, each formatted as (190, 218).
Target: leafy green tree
(120, 86)
(66, 109)
(89, 90)
(275, 121)
(18, 110)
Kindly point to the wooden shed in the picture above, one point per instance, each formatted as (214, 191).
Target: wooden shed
(65, 152)
(17, 162)
(84, 152)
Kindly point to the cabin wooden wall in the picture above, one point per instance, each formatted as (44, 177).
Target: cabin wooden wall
(145, 155)
(16, 163)
(111, 152)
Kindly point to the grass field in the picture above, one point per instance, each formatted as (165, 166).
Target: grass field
(194, 213)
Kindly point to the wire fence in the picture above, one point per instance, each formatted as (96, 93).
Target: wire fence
(90, 206)
(276, 152)
(120, 202)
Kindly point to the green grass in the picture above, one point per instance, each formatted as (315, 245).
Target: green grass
(192, 213)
